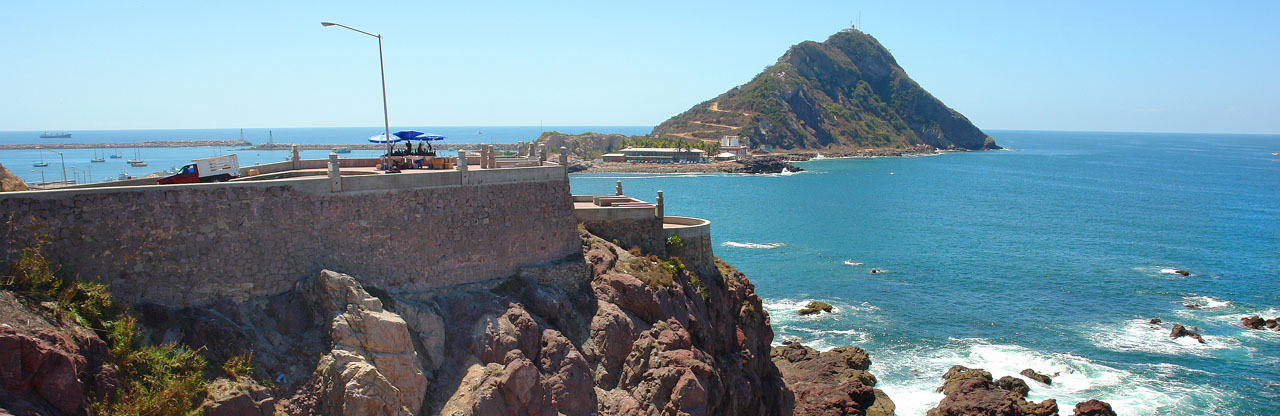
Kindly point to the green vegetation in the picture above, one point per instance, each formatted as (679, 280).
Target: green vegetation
(672, 142)
(238, 367)
(846, 92)
(674, 241)
(157, 380)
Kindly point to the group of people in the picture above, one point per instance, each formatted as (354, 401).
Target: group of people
(409, 151)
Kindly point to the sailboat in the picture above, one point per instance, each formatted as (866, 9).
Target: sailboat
(137, 161)
(41, 163)
(97, 158)
(116, 154)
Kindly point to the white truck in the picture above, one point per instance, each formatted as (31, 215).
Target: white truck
(209, 169)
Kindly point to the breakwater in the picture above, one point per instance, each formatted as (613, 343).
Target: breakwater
(373, 146)
(152, 143)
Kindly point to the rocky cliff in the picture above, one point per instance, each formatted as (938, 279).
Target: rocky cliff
(611, 332)
(845, 93)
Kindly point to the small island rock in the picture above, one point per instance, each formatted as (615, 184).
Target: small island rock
(1181, 331)
(1032, 374)
(815, 308)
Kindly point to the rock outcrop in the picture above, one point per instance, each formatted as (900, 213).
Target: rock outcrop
(834, 382)
(1256, 322)
(814, 308)
(373, 368)
(628, 338)
(10, 182)
(1034, 375)
(47, 367)
(842, 94)
(1180, 331)
(1093, 407)
(767, 164)
(971, 391)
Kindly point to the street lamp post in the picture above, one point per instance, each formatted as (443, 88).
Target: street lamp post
(64, 165)
(386, 120)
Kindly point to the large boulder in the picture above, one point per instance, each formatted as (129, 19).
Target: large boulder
(971, 391)
(1034, 375)
(45, 365)
(834, 382)
(1180, 331)
(1093, 407)
(10, 182)
(373, 368)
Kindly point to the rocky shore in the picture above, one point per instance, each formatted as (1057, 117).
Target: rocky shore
(766, 164)
(972, 391)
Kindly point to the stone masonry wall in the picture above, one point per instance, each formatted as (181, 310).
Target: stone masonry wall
(627, 233)
(696, 254)
(190, 245)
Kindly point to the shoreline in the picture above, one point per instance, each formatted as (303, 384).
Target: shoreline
(595, 166)
(146, 144)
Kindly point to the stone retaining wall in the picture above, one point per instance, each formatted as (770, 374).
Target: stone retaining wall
(695, 250)
(190, 244)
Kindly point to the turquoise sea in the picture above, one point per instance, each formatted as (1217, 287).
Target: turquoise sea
(1051, 255)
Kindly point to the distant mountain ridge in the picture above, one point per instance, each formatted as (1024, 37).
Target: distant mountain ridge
(845, 93)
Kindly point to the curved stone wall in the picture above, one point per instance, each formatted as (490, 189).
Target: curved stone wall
(695, 237)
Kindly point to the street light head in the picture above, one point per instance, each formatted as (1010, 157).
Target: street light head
(327, 24)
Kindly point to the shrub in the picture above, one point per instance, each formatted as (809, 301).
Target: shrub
(157, 380)
(674, 241)
(238, 367)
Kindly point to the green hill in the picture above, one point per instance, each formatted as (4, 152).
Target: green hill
(845, 93)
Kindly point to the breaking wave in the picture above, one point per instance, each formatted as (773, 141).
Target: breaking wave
(752, 245)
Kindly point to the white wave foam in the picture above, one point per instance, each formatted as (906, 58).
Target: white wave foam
(1139, 335)
(910, 375)
(1205, 302)
(784, 311)
(752, 245)
(852, 263)
(1161, 272)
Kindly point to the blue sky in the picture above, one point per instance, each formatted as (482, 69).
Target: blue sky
(1174, 66)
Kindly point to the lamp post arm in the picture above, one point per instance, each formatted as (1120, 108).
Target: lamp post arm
(352, 28)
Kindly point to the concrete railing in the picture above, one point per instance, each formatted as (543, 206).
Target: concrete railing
(695, 243)
(685, 227)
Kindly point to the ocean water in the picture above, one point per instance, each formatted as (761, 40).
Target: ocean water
(1052, 255)
(21, 162)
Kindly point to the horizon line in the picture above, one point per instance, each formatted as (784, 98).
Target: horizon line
(380, 128)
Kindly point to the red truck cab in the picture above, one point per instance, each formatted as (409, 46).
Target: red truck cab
(187, 174)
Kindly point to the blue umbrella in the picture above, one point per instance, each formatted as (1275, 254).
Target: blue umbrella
(382, 139)
(425, 137)
(407, 134)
